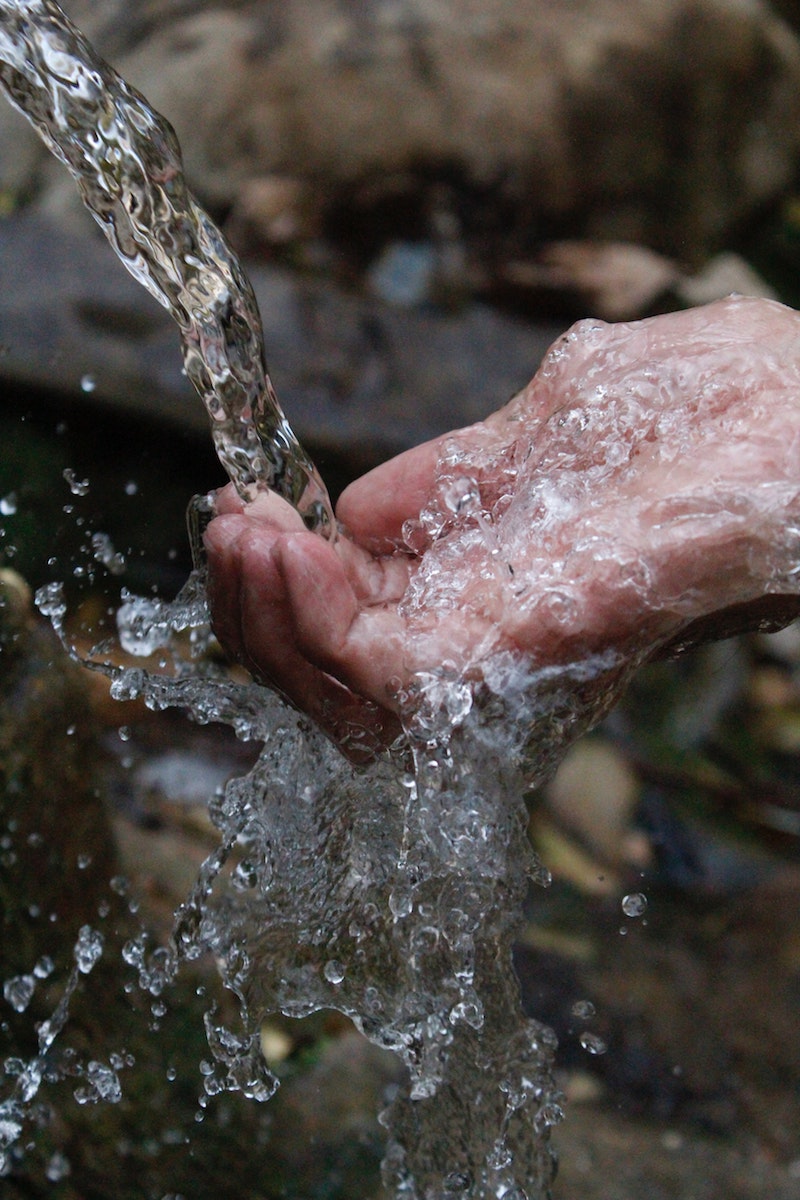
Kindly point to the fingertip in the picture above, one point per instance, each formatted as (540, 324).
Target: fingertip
(268, 508)
(220, 533)
(227, 500)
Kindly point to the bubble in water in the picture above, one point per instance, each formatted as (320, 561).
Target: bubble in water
(88, 948)
(334, 971)
(634, 904)
(8, 504)
(44, 967)
(19, 991)
(593, 1044)
(88, 383)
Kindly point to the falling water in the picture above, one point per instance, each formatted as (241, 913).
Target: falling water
(127, 164)
(390, 893)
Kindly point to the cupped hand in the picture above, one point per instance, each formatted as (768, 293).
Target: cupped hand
(642, 492)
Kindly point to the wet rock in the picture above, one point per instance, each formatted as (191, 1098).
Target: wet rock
(53, 826)
(695, 1003)
(333, 1106)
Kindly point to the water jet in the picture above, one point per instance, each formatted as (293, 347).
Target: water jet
(392, 891)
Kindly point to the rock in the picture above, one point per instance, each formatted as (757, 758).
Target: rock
(359, 380)
(273, 210)
(616, 281)
(53, 822)
(404, 274)
(594, 795)
(723, 274)
(333, 1107)
(609, 119)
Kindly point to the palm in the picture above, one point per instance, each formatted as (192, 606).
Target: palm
(640, 484)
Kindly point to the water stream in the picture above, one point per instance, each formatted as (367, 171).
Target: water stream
(390, 893)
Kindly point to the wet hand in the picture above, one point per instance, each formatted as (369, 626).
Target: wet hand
(642, 492)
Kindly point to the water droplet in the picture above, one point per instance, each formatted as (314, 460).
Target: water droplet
(592, 1044)
(19, 991)
(58, 1167)
(124, 733)
(88, 948)
(8, 504)
(84, 861)
(44, 967)
(548, 1115)
(457, 1182)
(333, 971)
(78, 487)
(584, 1010)
(131, 487)
(634, 904)
(102, 1083)
(103, 552)
(88, 383)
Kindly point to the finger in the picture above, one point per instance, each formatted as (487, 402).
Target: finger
(267, 506)
(223, 555)
(253, 621)
(374, 508)
(362, 647)
(227, 500)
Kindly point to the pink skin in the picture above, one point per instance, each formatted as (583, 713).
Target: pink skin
(641, 488)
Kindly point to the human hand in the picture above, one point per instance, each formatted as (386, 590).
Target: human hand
(643, 491)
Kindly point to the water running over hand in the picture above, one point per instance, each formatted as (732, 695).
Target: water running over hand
(391, 893)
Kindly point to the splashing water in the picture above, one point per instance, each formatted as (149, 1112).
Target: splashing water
(127, 165)
(391, 892)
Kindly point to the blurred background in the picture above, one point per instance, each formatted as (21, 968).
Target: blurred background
(425, 193)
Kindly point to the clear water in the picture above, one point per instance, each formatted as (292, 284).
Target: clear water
(390, 893)
(126, 162)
